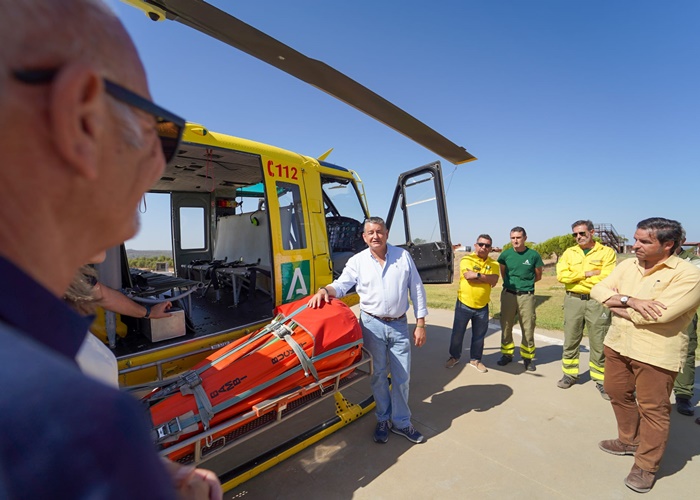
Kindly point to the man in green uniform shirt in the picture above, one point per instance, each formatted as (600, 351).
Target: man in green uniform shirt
(521, 267)
(579, 268)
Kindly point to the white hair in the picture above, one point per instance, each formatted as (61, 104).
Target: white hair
(128, 123)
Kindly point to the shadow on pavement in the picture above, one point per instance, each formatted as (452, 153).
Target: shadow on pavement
(683, 444)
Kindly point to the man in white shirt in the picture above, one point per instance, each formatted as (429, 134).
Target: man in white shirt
(384, 276)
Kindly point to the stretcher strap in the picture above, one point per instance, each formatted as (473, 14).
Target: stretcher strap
(285, 332)
(194, 387)
(274, 324)
(173, 387)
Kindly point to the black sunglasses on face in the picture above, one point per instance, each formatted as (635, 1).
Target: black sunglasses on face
(487, 245)
(580, 233)
(168, 125)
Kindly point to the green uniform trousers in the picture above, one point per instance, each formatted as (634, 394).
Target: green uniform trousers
(596, 318)
(683, 386)
(524, 307)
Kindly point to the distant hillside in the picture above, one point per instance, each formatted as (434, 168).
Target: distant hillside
(135, 254)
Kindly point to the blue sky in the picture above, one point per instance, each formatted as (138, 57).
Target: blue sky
(576, 109)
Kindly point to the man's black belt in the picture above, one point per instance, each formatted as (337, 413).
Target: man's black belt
(519, 292)
(582, 296)
(385, 318)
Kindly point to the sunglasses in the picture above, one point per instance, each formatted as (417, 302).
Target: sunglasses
(487, 245)
(580, 233)
(169, 126)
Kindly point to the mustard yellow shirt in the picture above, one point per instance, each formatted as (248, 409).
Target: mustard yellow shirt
(661, 342)
(573, 264)
(476, 295)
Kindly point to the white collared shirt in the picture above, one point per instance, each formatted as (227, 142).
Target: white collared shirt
(384, 291)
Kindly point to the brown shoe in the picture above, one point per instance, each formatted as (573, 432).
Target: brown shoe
(451, 362)
(640, 480)
(617, 447)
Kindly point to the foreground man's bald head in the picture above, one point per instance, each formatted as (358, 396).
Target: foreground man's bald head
(76, 160)
(81, 143)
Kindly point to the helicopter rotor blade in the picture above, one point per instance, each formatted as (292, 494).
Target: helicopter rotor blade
(222, 26)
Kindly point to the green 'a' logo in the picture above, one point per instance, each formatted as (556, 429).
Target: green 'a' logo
(296, 277)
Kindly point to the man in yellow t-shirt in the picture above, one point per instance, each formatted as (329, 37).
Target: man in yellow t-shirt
(478, 274)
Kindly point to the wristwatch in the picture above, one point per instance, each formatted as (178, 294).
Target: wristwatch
(478, 276)
(624, 299)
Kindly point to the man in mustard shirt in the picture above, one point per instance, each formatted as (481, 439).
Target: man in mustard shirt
(478, 274)
(579, 268)
(652, 298)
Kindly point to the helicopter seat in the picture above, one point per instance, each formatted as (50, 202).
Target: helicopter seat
(344, 241)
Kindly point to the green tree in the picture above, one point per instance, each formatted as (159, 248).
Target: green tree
(528, 244)
(555, 245)
(150, 262)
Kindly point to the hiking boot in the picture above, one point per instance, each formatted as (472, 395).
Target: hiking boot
(529, 365)
(601, 389)
(478, 365)
(381, 432)
(566, 382)
(617, 447)
(684, 407)
(409, 433)
(640, 480)
(451, 362)
(505, 359)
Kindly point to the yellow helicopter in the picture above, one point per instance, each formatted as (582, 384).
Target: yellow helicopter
(255, 226)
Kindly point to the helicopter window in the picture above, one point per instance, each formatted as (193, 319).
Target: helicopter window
(340, 199)
(291, 216)
(419, 211)
(192, 228)
(344, 216)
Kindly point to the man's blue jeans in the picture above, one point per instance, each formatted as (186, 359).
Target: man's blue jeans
(390, 346)
(480, 325)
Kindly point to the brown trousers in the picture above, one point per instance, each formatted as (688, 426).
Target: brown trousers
(645, 421)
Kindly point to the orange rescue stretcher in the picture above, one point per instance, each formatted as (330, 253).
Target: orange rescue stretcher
(302, 352)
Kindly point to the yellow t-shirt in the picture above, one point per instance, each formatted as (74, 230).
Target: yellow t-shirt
(476, 295)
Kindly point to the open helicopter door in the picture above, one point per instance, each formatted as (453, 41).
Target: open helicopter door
(421, 225)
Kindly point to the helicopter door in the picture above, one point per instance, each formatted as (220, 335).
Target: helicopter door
(418, 222)
(191, 224)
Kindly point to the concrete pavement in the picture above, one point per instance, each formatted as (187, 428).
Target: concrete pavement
(493, 435)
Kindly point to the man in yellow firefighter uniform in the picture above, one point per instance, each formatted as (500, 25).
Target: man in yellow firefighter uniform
(579, 268)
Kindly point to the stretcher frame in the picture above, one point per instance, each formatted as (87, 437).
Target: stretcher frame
(270, 413)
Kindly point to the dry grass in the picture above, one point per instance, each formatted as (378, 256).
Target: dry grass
(549, 296)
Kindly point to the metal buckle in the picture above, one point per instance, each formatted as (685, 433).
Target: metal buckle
(168, 429)
(281, 330)
(192, 379)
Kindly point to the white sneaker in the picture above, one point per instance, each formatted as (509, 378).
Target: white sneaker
(478, 365)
